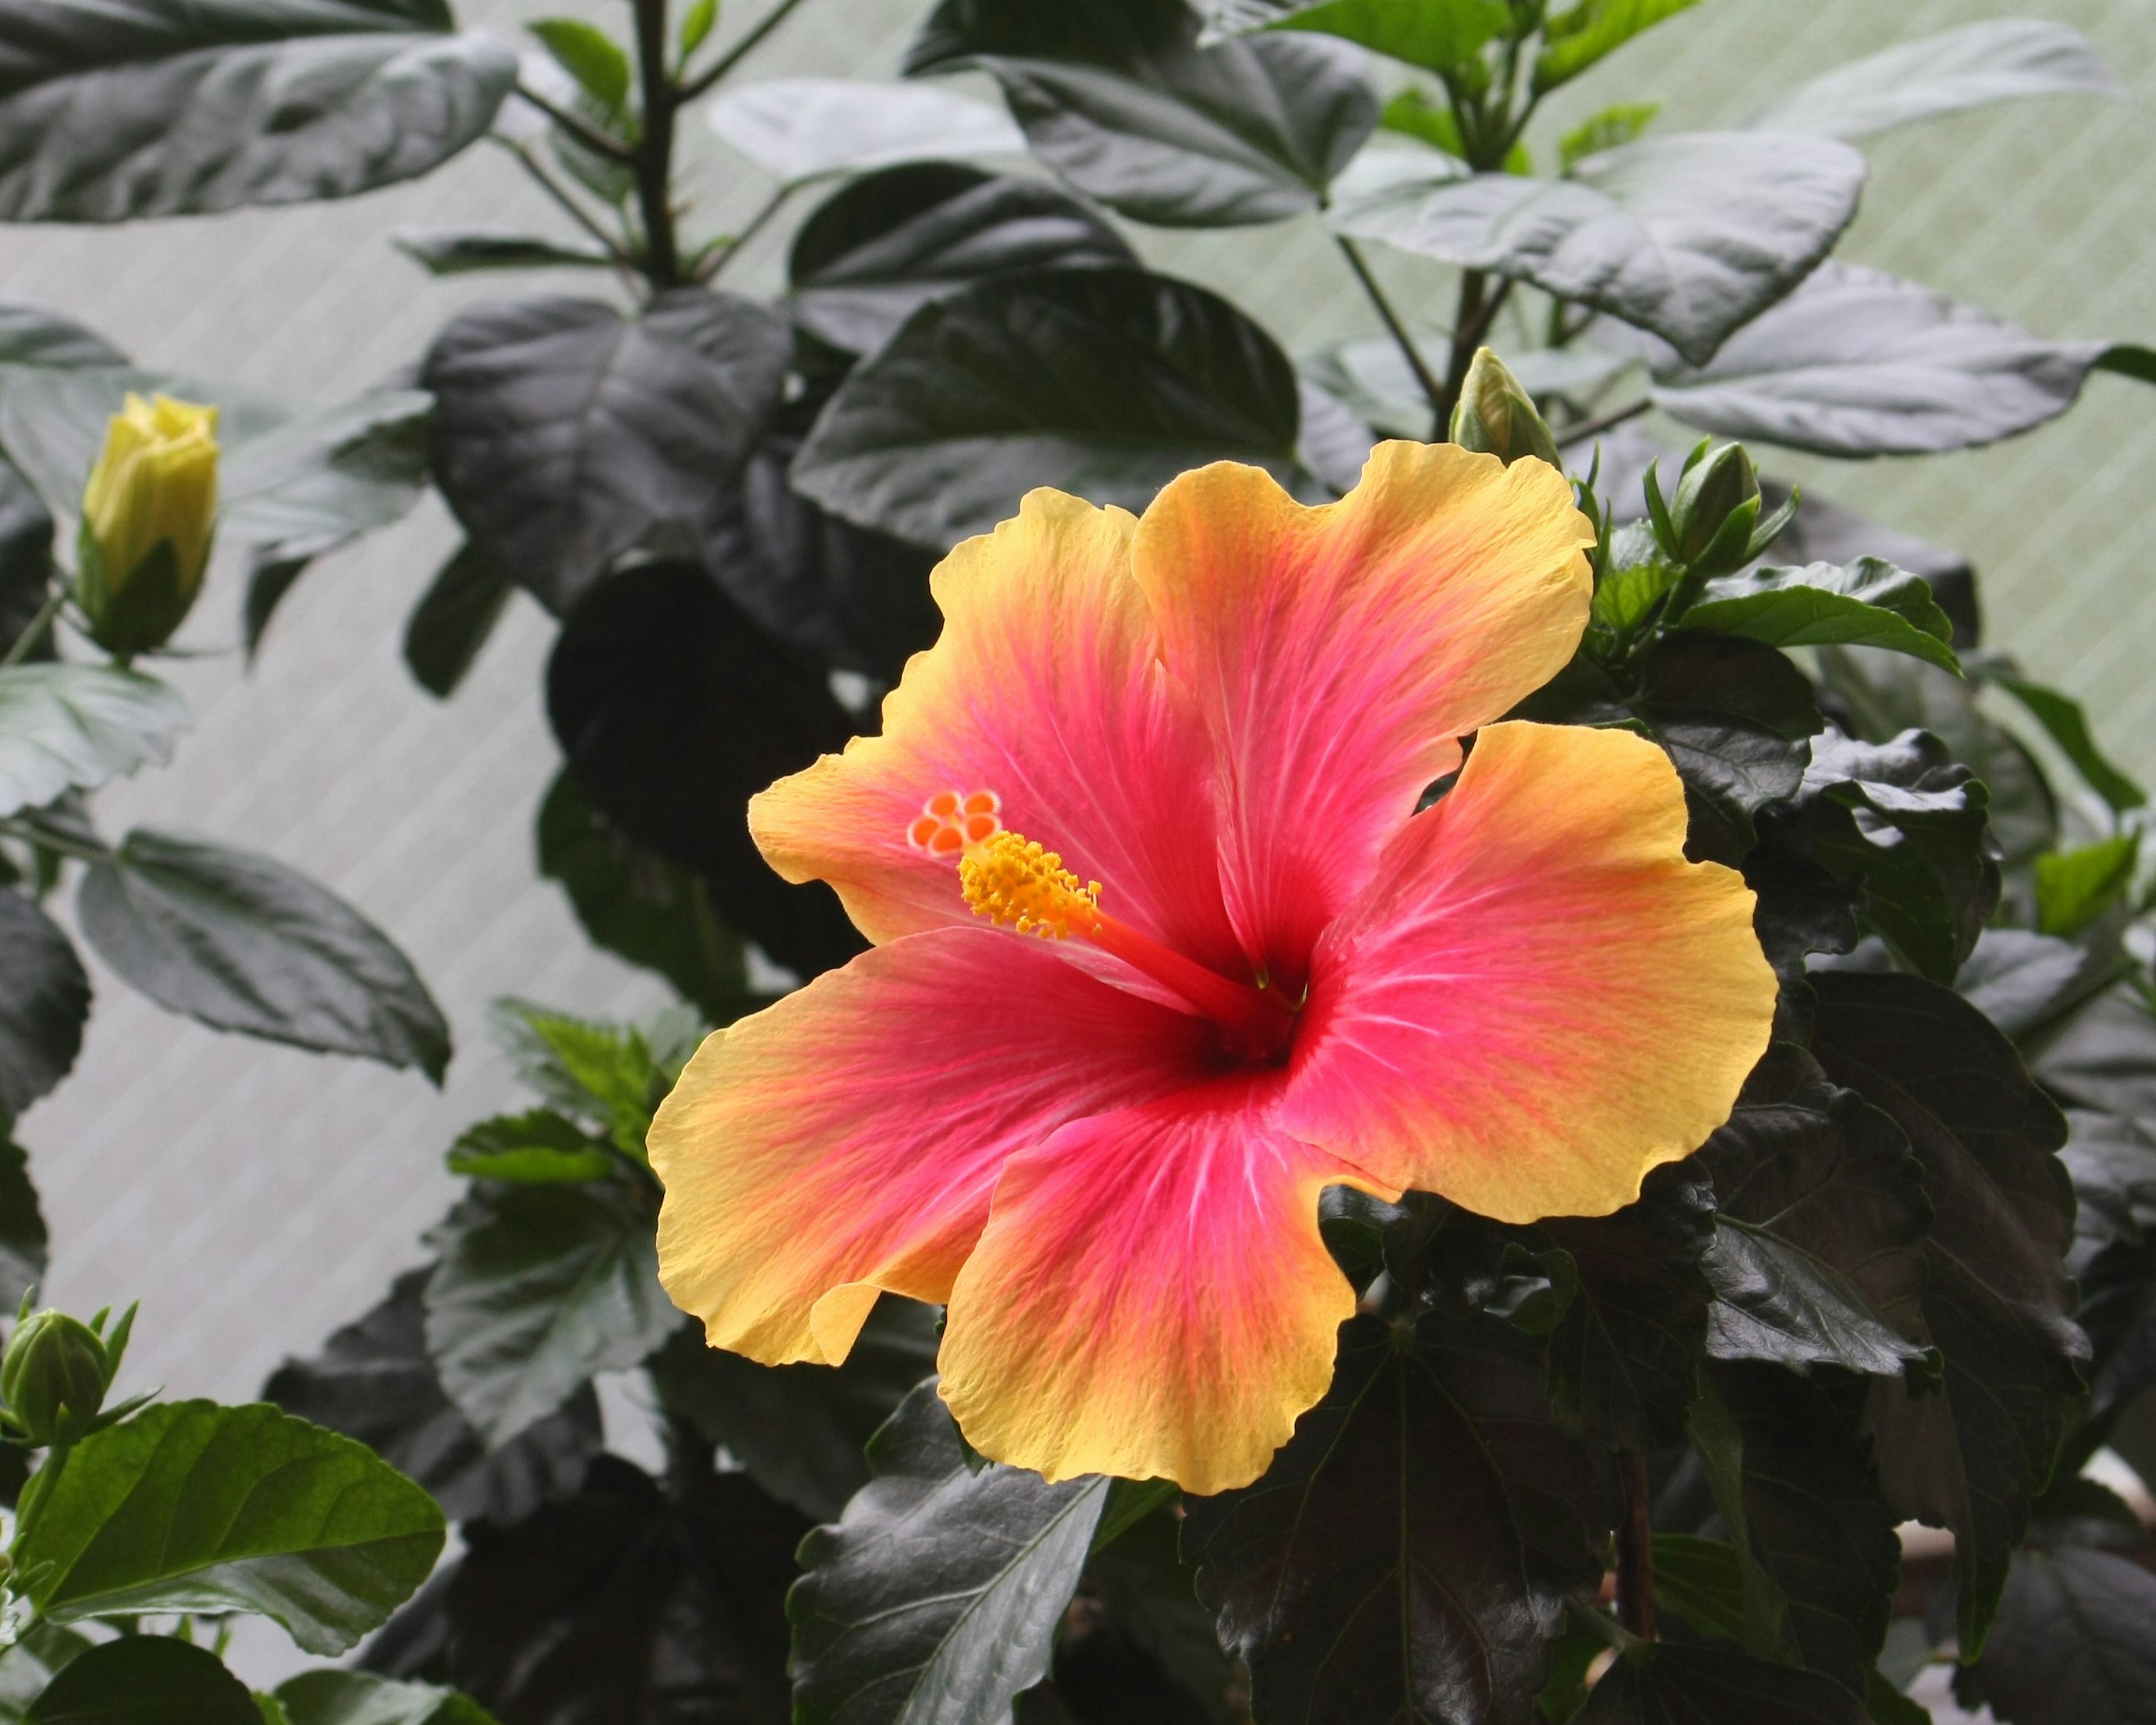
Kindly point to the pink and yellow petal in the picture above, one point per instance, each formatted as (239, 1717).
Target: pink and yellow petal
(1044, 689)
(1338, 653)
(1150, 1296)
(1537, 999)
(847, 1139)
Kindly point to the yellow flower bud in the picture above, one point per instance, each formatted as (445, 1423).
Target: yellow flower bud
(147, 515)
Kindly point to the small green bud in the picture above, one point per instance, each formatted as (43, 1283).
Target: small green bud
(53, 1362)
(148, 514)
(1496, 415)
(1713, 512)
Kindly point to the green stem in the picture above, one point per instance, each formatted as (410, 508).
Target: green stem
(1605, 422)
(740, 51)
(27, 642)
(655, 149)
(29, 834)
(574, 210)
(726, 254)
(583, 131)
(1433, 391)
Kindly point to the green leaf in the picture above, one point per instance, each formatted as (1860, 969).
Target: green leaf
(941, 1588)
(1105, 382)
(1996, 60)
(564, 433)
(373, 1381)
(144, 1679)
(2075, 1643)
(1153, 1617)
(540, 1148)
(40, 1651)
(23, 1237)
(359, 1698)
(1968, 1456)
(883, 246)
(458, 251)
(1690, 237)
(2062, 718)
(1435, 35)
(1577, 38)
(1404, 1555)
(539, 1288)
(2112, 1161)
(2105, 1057)
(602, 1074)
(244, 944)
(800, 1430)
(1855, 361)
(695, 25)
(454, 619)
(1662, 1683)
(45, 998)
(274, 102)
(802, 129)
(1119, 97)
(32, 335)
(1866, 603)
(1820, 1221)
(2075, 887)
(73, 726)
(589, 55)
(1620, 123)
(1702, 1581)
(190, 1506)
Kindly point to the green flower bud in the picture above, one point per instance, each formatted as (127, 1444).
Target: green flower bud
(1714, 510)
(53, 1362)
(1494, 415)
(147, 515)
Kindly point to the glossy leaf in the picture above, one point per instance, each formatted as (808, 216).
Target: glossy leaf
(1118, 96)
(1435, 35)
(357, 1698)
(540, 1148)
(2075, 1643)
(190, 1506)
(801, 129)
(1689, 236)
(587, 55)
(1970, 1456)
(44, 997)
(2106, 1057)
(458, 252)
(2023, 982)
(23, 1237)
(938, 1593)
(1996, 60)
(1662, 1683)
(1104, 382)
(884, 245)
(2075, 887)
(27, 1667)
(1858, 362)
(538, 1289)
(373, 1381)
(244, 944)
(454, 619)
(2067, 725)
(72, 727)
(2113, 1162)
(1581, 35)
(245, 101)
(564, 432)
(800, 1430)
(144, 1679)
(1866, 603)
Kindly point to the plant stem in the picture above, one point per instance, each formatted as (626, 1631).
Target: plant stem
(655, 150)
(26, 641)
(583, 131)
(727, 252)
(1479, 306)
(1433, 391)
(740, 51)
(1603, 421)
(50, 841)
(1636, 1550)
(547, 184)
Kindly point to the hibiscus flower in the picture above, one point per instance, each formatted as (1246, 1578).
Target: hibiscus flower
(1163, 949)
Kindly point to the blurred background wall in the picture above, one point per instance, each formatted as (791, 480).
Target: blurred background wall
(255, 1198)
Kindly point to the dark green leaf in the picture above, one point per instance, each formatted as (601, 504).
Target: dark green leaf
(23, 1237)
(2118, 1310)
(2075, 887)
(454, 619)
(1819, 1220)
(1120, 98)
(2113, 1162)
(939, 1593)
(564, 432)
(456, 252)
(1702, 1581)
(802, 129)
(1579, 36)
(674, 710)
(884, 245)
(1661, 1683)
(1971, 1456)
(357, 1698)
(244, 944)
(800, 1430)
(540, 1287)
(1403, 1557)
(1157, 1643)
(1996, 60)
(1857, 363)
(624, 1606)
(1104, 382)
(587, 55)
(373, 1381)
(2075, 1643)
(2106, 1057)
(2068, 725)
(39, 1652)
(26, 556)
(1868, 603)
(32, 335)
(1435, 35)
(44, 996)
(144, 1679)
(73, 726)
(2023, 983)
(190, 1506)
(540, 1148)
(203, 107)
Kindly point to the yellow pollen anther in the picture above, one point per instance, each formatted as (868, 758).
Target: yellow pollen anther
(1013, 881)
